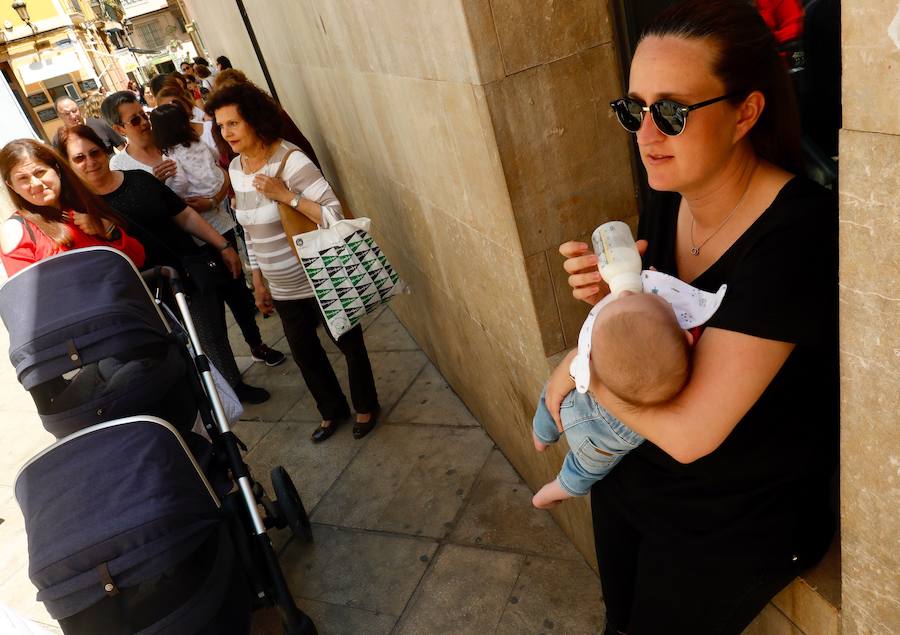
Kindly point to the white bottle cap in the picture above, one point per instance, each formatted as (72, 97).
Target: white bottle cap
(626, 281)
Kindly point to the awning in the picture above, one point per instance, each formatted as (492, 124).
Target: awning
(146, 51)
(49, 65)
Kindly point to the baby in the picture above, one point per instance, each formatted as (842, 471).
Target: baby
(642, 355)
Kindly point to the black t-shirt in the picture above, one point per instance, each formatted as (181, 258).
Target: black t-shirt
(148, 206)
(765, 488)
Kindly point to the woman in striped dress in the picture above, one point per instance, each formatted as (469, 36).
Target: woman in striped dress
(249, 121)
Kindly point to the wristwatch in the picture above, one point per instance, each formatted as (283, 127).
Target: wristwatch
(295, 201)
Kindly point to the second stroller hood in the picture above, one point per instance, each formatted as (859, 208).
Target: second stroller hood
(73, 309)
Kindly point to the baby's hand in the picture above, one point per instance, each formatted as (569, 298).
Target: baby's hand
(539, 445)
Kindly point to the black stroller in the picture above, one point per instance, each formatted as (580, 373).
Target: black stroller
(136, 524)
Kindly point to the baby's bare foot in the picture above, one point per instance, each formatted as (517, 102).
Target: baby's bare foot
(539, 445)
(542, 503)
(550, 495)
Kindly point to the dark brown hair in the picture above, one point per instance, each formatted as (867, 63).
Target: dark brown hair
(171, 127)
(83, 131)
(157, 82)
(254, 105)
(181, 96)
(178, 77)
(747, 60)
(73, 192)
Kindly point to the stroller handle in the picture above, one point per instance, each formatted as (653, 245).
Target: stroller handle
(169, 274)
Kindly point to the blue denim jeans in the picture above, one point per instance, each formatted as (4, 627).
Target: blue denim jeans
(591, 431)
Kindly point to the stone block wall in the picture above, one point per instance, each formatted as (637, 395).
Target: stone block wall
(870, 317)
(477, 135)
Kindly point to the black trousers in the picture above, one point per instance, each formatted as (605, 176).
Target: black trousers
(300, 319)
(208, 313)
(239, 299)
(652, 587)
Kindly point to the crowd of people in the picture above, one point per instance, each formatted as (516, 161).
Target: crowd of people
(182, 174)
(723, 493)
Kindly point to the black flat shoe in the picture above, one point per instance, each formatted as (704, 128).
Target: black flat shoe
(322, 432)
(362, 429)
(251, 394)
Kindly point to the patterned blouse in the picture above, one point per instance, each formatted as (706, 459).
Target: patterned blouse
(199, 174)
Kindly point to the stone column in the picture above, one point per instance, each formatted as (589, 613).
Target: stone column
(870, 317)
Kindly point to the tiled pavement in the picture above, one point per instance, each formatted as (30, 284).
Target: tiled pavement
(421, 527)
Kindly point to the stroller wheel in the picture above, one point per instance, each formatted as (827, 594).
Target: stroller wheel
(290, 505)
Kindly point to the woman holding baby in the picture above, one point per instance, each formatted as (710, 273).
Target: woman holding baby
(728, 499)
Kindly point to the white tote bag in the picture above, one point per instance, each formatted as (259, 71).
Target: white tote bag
(349, 273)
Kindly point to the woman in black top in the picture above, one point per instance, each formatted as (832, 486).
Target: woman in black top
(728, 499)
(164, 224)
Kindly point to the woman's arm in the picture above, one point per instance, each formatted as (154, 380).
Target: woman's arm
(191, 222)
(207, 203)
(276, 190)
(261, 295)
(106, 232)
(730, 372)
(318, 201)
(16, 255)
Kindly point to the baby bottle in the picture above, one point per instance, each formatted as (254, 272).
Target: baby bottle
(619, 260)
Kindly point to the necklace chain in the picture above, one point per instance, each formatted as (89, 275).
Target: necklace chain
(695, 248)
(266, 154)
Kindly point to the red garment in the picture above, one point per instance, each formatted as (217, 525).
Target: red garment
(696, 331)
(784, 17)
(36, 245)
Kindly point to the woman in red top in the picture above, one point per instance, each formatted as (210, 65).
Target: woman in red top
(783, 17)
(55, 211)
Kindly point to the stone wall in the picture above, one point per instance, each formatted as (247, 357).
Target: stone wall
(476, 134)
(870, 317)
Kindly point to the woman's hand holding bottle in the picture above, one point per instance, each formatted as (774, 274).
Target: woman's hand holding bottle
(584, 276)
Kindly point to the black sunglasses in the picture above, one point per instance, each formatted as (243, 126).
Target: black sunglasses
(669, 116)
(93, 153)
(136, 119)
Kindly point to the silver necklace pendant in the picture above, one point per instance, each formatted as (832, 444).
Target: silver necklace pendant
(695, 249)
